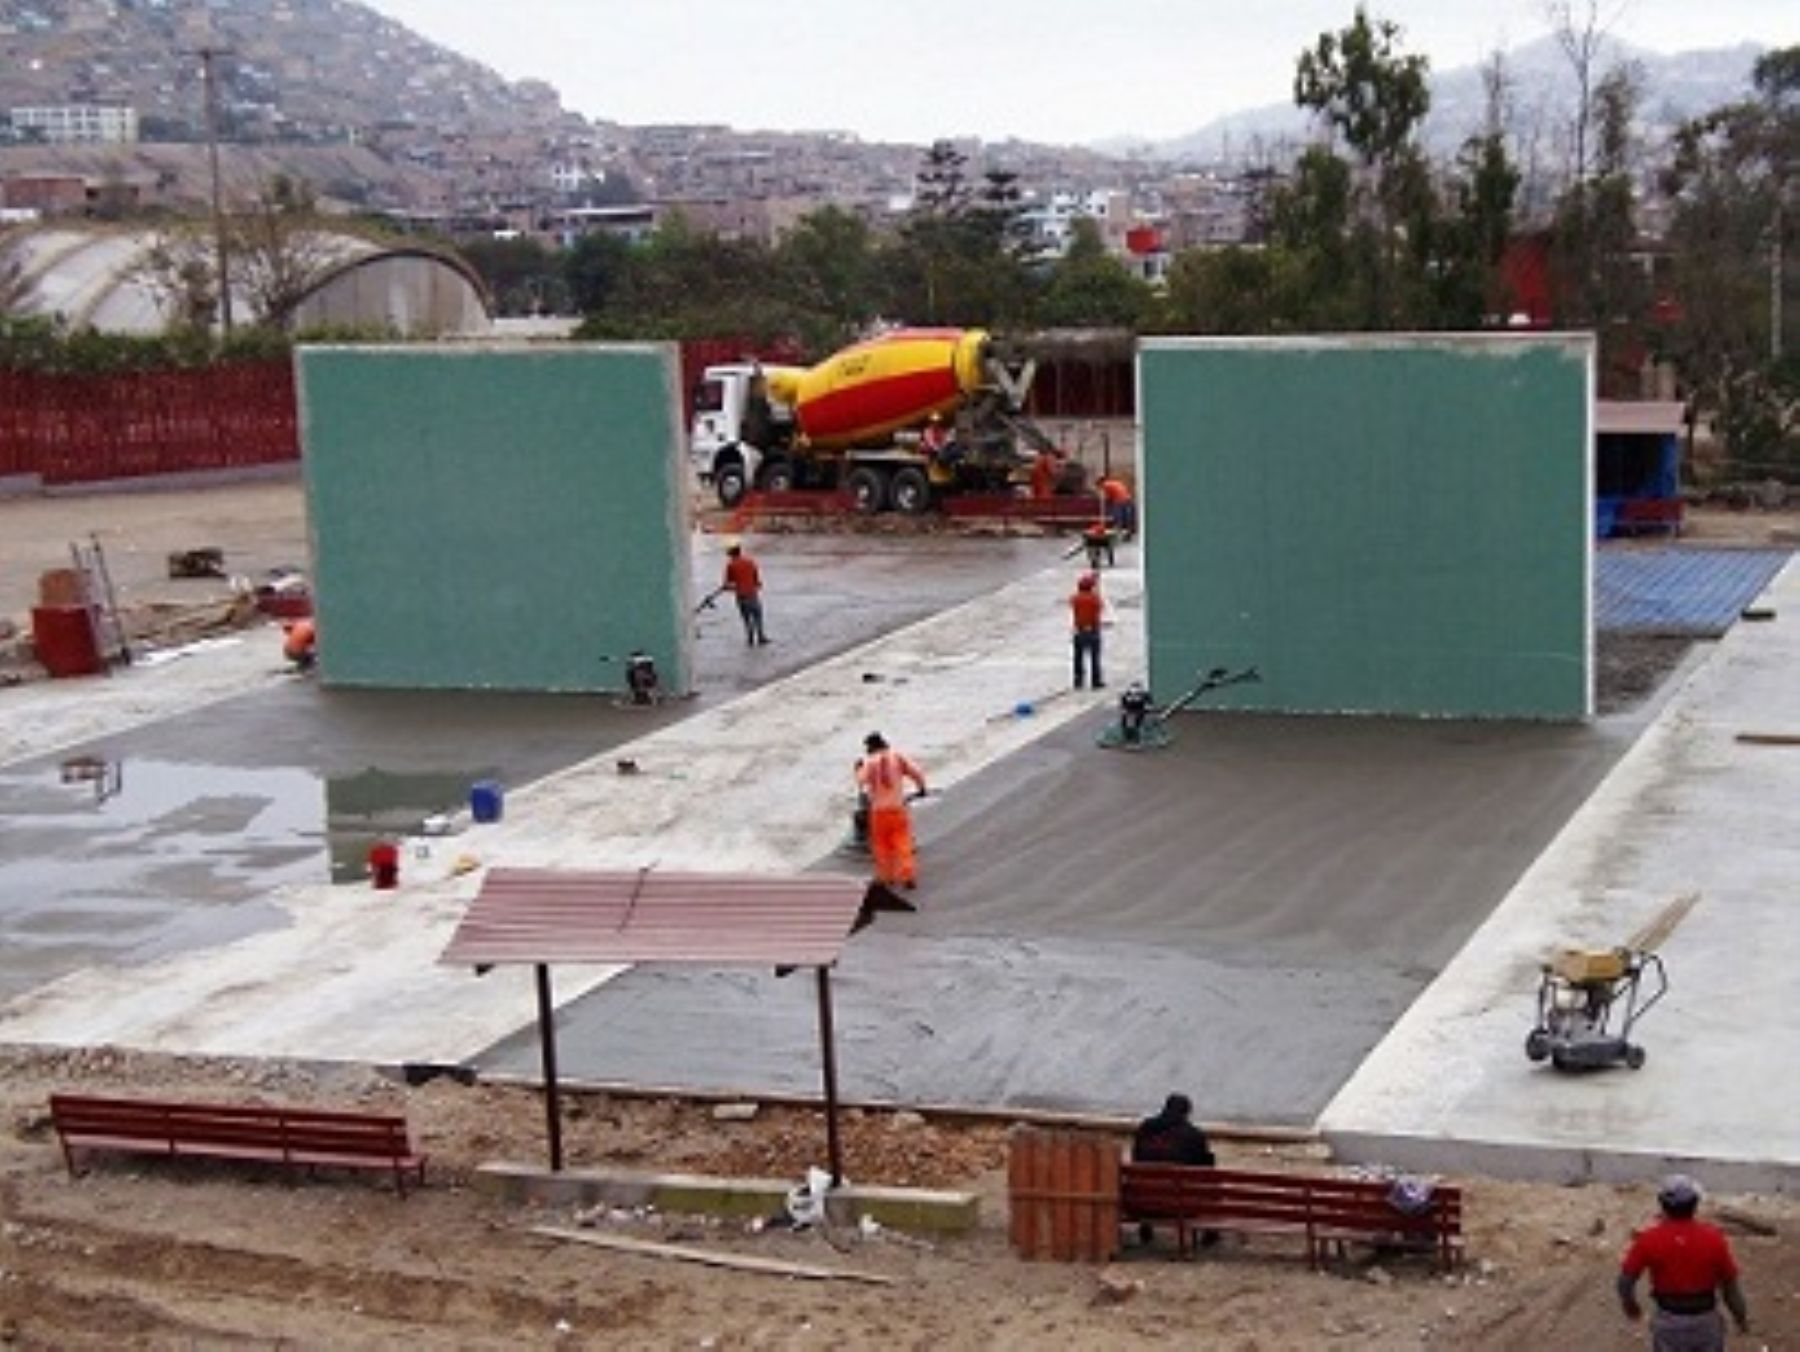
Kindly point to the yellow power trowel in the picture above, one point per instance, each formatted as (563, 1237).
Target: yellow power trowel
(1589, 1000)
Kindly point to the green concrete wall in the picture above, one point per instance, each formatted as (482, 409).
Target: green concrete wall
(1381, 524)
(498, 518)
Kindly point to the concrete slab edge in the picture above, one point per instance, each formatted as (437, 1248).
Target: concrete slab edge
(912, 1209)
(1249, 1133)
(1535, 1161)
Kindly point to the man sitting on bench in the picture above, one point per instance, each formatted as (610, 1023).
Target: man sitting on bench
(1172, 1138)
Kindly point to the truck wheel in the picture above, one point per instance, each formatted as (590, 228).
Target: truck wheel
(911, 491)
(868, 489)
(1537, 1044)
(729, 482)
(778, 477)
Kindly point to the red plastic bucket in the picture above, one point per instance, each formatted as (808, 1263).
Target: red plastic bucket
(384, 865)
(64, 639)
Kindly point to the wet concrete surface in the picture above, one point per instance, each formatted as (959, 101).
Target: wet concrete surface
(1240, 916)
(180, 826)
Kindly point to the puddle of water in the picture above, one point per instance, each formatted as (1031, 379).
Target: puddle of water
(90, 833)
(378, 805)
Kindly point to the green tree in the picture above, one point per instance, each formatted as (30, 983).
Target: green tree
(594, 272)
(1473, 291)
(522, 275)
(828, 269)
(1089, 288)
(1360, 85)
(942, 188)
(1325, 253)
(1231, 290)
(1732, 186)
(685, 283)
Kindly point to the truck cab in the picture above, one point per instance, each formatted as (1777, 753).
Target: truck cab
(734, 429)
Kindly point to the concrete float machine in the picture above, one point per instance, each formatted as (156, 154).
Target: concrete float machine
(1590, 999)
(1579, 994)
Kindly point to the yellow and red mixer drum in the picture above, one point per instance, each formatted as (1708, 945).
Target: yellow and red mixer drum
(865, 393)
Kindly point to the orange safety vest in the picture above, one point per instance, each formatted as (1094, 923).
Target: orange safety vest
(883, 777)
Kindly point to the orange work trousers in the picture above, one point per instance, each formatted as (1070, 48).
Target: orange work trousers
(891, 838)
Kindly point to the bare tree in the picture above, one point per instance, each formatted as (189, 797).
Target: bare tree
(1581, 28)
(178, 270)
(13, 286)
(281, 250)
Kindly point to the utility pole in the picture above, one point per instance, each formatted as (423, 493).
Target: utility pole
(207, 56)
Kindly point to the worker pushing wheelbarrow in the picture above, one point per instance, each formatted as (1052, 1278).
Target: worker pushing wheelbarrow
(1142, 726)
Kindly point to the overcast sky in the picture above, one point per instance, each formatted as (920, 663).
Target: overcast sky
(1048, 70)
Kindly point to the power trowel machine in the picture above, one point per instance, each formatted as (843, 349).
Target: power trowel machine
(1578, 996)
(1141, 726)
(1589, 999)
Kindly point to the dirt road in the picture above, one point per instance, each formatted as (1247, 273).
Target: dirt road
(259, 525)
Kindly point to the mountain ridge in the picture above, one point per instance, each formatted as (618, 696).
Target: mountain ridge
(1677, 86)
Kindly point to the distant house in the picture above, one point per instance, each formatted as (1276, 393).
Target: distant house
(77, 123)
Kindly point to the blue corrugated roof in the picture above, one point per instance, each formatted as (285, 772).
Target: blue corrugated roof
(1679, 590)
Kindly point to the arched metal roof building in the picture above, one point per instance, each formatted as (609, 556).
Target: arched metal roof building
(100, 277)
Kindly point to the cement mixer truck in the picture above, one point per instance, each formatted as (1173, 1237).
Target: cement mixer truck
(898, 420)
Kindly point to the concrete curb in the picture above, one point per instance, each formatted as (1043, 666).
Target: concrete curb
(1250, 1133)
(913, 1209)
(1540, 1161)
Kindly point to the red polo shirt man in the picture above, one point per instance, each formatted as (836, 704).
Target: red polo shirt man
(1691, 1267)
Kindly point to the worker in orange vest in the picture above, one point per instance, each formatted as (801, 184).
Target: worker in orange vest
(1085, 610)
(882, 774)
(300, 643)
(1121, 511)
(1044, 472)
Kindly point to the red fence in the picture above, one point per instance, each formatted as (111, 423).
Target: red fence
(86, 428)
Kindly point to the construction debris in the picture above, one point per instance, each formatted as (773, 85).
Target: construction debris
(197, 563)
(682, 1253)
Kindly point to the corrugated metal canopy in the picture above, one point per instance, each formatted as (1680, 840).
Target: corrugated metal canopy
(1643, 417)
(558, 916)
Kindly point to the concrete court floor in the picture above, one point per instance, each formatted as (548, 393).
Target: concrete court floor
(757, 783)
(288, 783)
(1692, 812)
(1241, 916)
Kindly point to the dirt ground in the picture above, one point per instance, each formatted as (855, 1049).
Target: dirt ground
(145, 1253)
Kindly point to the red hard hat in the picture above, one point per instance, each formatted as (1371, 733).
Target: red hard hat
(1088, 581)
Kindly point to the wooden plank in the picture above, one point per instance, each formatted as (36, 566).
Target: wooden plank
(1018, 1210)
(1769, 738)
(711, 1258)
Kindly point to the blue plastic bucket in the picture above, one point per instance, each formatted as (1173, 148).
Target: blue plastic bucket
(486, 800)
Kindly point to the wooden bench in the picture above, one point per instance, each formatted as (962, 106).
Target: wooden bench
(1328, 1213)
(293, 1137)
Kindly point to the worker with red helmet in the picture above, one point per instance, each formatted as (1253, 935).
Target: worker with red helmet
(882, 774)
(1085, 610)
